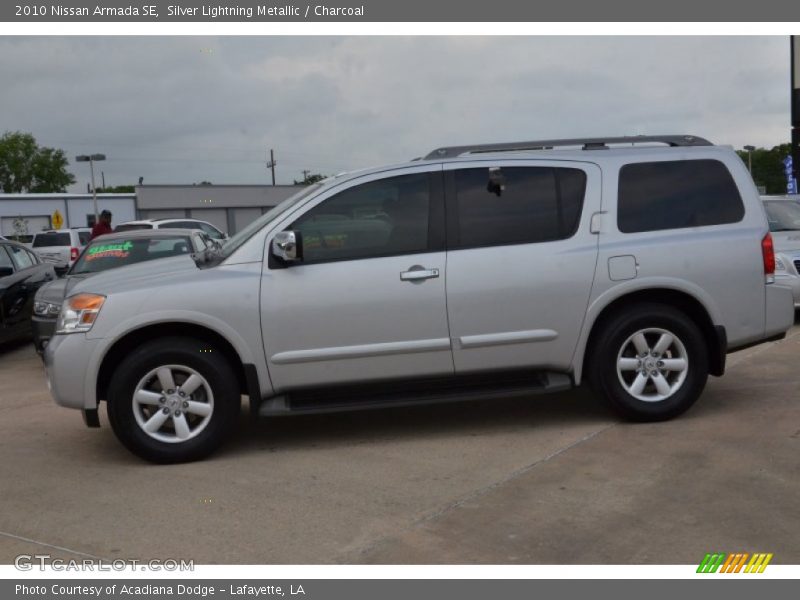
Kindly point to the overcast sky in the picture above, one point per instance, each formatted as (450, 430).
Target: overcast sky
(188, 109)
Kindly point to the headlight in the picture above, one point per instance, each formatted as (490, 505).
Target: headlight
(779, 264)
(79, 313)
(46, 309)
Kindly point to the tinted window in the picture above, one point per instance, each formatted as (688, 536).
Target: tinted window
(675, 195)
(180, 225)
(5, 259)
(102, 254)
(380, 218)
(517, 205)
(20, 257)
(132, 227)
(84, 237)
(43, 240)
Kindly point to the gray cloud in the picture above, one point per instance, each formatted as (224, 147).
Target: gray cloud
(186, 109)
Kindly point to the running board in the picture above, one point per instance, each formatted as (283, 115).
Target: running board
(413, 393)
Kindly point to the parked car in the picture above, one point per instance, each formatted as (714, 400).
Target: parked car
(783, 215)
(60, 247)
(21, 274)
(110, 251)
(475, 272)
(208, 228)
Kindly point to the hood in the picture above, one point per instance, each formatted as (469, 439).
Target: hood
(144, 275)
(55, 291)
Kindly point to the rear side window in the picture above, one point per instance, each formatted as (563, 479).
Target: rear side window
(132, 227)
(516, 205)
(43, 240)
(180, 225)
(84, 237)
(676, 195)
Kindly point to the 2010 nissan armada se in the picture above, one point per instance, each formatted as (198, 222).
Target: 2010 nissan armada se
(476, 272)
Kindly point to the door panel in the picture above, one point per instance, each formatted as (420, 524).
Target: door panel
(355, 321)
(522, 304)
(349, 313)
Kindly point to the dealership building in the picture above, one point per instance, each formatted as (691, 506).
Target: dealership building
(228, 207)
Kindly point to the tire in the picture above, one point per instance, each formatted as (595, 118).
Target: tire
(652, 387)
(202, 408)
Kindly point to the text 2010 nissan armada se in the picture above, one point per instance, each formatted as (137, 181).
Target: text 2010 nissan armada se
(476, 272)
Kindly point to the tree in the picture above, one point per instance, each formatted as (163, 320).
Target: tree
(768, 169)
(27, 167)
(309, 178)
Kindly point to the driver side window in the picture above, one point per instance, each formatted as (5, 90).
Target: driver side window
(380, 218)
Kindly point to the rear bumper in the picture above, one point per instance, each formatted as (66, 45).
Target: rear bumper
(793, 283)
(778, 317)
(779, 310)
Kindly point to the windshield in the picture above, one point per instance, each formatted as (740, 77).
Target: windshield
(245, 234)
(44, 240)
(783, 216)
(110, 254)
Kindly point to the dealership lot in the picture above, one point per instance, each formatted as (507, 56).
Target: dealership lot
(551, 479)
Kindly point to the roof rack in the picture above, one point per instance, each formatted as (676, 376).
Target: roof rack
(587, 143)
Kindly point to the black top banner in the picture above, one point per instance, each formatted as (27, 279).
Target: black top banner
(406, 10)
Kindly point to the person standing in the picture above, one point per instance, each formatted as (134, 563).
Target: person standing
(103, 226)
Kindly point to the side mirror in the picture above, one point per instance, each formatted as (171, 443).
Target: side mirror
(6, 271)
(288, 246)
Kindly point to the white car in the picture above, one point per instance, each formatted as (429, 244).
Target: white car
(208, 228)
(60, 247)
(783, 215)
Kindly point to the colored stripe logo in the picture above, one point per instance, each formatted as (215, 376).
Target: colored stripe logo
(739, 562)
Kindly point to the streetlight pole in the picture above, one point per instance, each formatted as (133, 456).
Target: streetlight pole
(750, 158)
(91, 158)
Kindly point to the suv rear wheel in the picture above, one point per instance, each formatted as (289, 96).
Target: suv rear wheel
(173, 400)
(649, 361)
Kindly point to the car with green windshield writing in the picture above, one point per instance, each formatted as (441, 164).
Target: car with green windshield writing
(106, 252)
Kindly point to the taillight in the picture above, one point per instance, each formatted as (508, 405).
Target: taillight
(73, 255)
(768, 254)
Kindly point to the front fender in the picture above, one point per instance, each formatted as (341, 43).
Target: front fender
(246, 354)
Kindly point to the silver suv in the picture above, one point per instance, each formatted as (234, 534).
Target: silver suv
(484, 271)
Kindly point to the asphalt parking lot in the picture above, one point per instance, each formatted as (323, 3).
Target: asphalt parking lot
(550, 479)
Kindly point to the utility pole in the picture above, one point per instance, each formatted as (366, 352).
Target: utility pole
(271, 164)
(750, 150)
(103, 177)
(91, 159)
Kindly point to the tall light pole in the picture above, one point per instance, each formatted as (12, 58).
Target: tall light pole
(91, 158)
(750, 158)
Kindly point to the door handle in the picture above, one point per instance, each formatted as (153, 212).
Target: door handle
(417, 273)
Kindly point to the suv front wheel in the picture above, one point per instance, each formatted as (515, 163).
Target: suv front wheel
(173, 400)
(649, 361)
